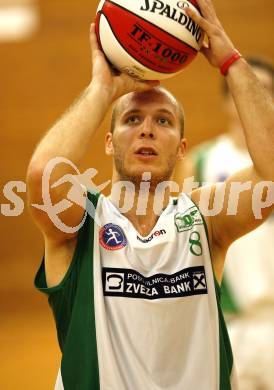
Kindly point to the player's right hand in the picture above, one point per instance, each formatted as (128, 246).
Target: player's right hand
(108, 79)
(219, 47)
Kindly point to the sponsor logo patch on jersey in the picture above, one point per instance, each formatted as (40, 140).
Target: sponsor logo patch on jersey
(112, 237)
(129, 283)
(157, 233)
(185, 221)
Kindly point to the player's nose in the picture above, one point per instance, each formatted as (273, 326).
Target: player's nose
(147, 130)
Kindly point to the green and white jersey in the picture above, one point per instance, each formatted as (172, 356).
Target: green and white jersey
(137, 312)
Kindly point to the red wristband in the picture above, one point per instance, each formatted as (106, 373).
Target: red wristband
(226, 65)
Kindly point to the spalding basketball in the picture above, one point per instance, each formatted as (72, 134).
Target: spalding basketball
(148, 39)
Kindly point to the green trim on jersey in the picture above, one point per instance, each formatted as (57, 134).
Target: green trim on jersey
(226, 355)
(225, 351)
(72, 303)
(228, 301)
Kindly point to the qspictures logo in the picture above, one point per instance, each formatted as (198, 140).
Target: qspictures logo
(261, 196)
(128, 283)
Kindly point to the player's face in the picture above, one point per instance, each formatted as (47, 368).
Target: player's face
(146, 137)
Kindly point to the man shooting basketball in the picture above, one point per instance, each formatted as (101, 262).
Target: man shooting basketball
(136, 299)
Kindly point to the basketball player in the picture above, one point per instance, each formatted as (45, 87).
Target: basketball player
(134, 296)
(248, 294)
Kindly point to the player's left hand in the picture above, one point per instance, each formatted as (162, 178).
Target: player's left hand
(219, 46)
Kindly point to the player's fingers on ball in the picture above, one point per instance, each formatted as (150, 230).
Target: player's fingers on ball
(139, 85)
(92, 33)
(213, 16)
(92, 27)
(114, 70)
(92, 37)
(205, 42)
(153, 83)
(203, 8)
(207, 9)
(147, 84)
(132, 83)
(205, 51)
(96, 51)
(202, 22)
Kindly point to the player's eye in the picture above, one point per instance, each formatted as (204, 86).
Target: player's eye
(163, 121)
(133, 119)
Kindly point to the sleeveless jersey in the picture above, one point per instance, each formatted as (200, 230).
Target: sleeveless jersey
(251, 254)
(138, 312)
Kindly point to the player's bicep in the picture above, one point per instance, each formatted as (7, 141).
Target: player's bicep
(57, 209)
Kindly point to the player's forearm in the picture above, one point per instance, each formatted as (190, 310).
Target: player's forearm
(71, 136)
(256, 111)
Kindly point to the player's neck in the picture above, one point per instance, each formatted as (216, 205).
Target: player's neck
(144, 210)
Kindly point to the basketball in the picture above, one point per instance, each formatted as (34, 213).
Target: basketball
(148, 39)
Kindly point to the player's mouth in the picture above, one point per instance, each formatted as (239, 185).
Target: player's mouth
(146, 152)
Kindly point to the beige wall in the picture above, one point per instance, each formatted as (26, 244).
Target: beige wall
(39, 78)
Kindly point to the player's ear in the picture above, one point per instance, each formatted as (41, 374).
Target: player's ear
(109, 144)
(182, 148)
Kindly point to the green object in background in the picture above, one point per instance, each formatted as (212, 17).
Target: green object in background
(228, 302)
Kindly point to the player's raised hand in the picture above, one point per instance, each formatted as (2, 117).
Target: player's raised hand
(109, 79)
(219, 46)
